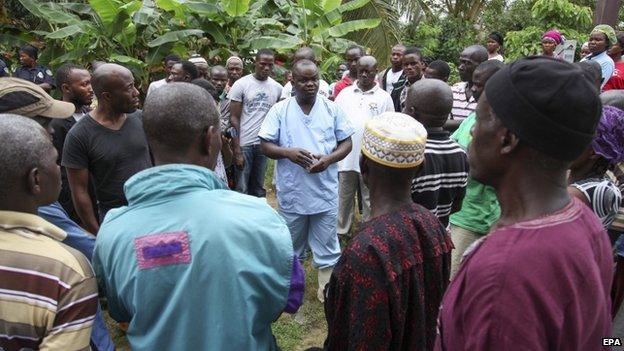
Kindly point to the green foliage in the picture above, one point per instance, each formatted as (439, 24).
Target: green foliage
(573, 21)
(443, 33)
(442, 39)
(379, 39)
(502, 17)
(139, 33)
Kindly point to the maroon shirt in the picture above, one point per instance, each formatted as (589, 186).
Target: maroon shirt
(387, 287)
(537, 285)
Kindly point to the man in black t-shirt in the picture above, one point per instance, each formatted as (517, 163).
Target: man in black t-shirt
(74, 83)
(108, 145)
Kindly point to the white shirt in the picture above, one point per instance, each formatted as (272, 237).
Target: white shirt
(497, 57)
(155, 85)
(359, 107)
(323, 90)
(391, 78)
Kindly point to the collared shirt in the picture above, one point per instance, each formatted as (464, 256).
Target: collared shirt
(84, 242)
(462, 107)
(288, 91)
(361, 106)
(317, 132)
(48, 293)
(38, 74)
(155, 85)
(607, 65)
(194, 265)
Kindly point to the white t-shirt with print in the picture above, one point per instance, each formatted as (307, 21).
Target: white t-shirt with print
(391, 78)
(257, 96)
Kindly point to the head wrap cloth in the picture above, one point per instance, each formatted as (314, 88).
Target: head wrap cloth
(608, 31)
(554, 35)
(609, 139)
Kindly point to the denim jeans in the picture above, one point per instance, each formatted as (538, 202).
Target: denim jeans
(250, 179)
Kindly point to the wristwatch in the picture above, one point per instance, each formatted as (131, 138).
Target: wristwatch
(233, 132)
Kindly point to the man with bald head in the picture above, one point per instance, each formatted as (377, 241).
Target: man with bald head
(308, 134)
(221, 262)
(362, 101)
(107, 145)
(463, 101)
(305, 53)
(441, 183)
(48, 291)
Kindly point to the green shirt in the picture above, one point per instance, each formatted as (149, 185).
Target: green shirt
(480, 208)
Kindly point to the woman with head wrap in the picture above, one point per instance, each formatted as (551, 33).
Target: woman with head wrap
(494, 45)
(550, 40)
(588, 178)
(600, 41)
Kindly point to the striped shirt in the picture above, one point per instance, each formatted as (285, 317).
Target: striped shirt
(462, 107)
(48, 293)
(443, 177)
(603, 196)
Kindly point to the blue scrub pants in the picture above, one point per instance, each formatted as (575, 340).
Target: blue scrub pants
(318, 231)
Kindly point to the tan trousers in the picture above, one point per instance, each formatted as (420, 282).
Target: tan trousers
(462, 239)
(348, 185)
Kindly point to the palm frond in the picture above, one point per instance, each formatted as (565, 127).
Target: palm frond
(383, 37)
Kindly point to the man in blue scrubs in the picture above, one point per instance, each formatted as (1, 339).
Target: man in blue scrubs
(308, 135)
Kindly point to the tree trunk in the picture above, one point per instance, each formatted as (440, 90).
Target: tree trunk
(607, 12)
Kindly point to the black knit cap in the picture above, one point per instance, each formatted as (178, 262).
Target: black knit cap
(547, 103)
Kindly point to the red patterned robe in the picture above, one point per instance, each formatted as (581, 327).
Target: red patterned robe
(387, 287)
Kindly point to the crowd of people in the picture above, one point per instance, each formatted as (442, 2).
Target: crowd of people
(480, 215)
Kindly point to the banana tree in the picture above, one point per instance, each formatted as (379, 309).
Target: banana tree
(319, 24)
(131, 32)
